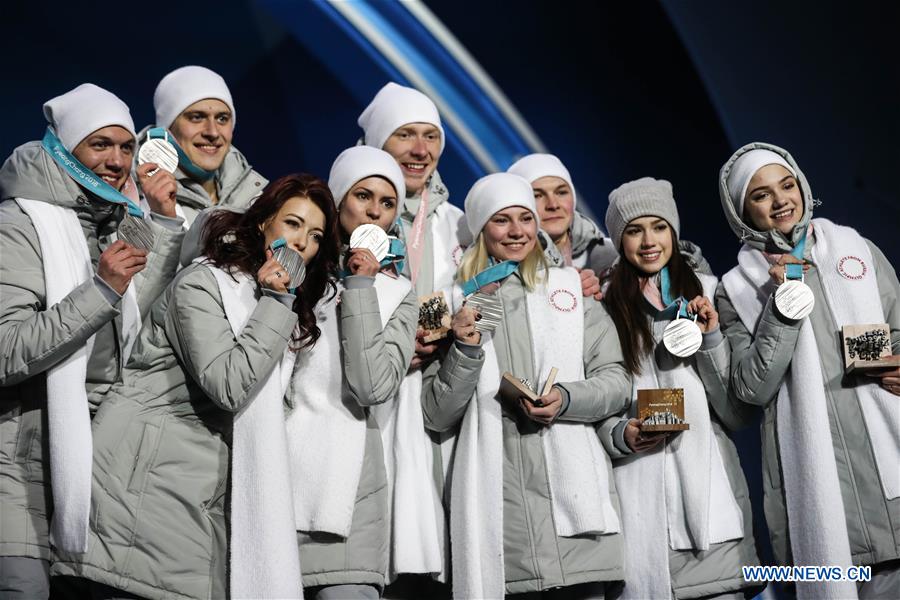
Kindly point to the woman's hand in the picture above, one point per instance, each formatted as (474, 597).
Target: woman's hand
(425, 352)
(590, 284)
(272, 275)
(638, 442)
(890, 380)
(159, 189)
(776, 271)
(707, 317)
(463, 325)
(551, 404)
(362, 262)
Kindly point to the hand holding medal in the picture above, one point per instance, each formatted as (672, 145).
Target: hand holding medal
(793, 298)
(291, 260)
(369, 245)
(157, 162)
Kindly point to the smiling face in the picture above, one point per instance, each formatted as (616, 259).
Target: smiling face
(773, 200)
(370, 200)
(107, 152)
(302, 225)
(510, 234)
(555, 204)
(204, 131)
(647, 244)
(416, 147)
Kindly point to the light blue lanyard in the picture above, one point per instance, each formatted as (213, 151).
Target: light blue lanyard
(665, 291)
(84, 176)
(490, 275)
(186, 164)
(794, 270)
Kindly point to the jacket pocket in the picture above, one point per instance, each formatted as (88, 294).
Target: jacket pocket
(144, 457)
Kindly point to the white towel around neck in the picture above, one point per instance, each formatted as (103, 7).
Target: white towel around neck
(677, 495)
(576, 462)
(265, 559)
(67, 264)
(816, 519)
(327, 427)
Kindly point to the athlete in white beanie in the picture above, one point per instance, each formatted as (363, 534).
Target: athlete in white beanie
(359, 162)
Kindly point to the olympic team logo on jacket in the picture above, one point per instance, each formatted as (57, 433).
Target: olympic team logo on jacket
(563, 300)
(852, 267)
(456, 254)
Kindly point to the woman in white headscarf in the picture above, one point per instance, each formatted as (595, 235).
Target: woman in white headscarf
(831, 439)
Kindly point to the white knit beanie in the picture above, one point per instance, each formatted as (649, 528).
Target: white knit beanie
(644, 197)
(743, 170)
(359, 162)
(391, 108)
(182, 87)
(492, 193)
(535, 166)
(82, 111)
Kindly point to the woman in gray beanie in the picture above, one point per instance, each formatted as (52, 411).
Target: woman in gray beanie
(831, 439)
(701, 535)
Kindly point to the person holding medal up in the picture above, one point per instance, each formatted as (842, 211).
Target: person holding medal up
(72, 297)
(341, 489)
(685, 505)
(191, 493)
(533, 367)
(831, 439)
(195, 119)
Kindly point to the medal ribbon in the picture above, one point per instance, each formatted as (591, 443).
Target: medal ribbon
(665, 291)
(396, 255)
(490, 275)
(794, 270)
(417, 237)
(84, 176)
(184, 161)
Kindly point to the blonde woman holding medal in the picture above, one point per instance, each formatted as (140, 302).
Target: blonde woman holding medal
(81, 265)
(533, 504)
(191, 489)
(192, 139)
(685, 505)
(341, 492)
(831, 441)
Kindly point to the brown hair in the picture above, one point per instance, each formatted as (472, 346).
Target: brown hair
(232, 239)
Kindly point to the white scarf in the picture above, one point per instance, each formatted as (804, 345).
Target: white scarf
(327, 428)
(684, 479)
(818, 528)
(576, 463)
(67, 264)
(265, 559)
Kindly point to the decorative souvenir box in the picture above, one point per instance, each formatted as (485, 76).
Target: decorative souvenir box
(661, 409)
(867, 348)
(434, 316)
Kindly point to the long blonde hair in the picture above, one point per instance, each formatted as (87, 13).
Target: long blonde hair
(476, 259)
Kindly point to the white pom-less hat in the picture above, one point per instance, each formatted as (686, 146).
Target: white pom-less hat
(492, 193)
(359, 162)
(745, 167)
(182, 87)
(535, 166)
(82, 111)
(393, 107)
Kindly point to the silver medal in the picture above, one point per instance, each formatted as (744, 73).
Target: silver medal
(160, 152)
(293, 265)
(794, 299)
(372, 237)
(490, 307)
(137, 232)
(682, 337)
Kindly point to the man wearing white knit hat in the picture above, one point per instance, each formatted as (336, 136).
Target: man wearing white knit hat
(71, 298)
(194, 109)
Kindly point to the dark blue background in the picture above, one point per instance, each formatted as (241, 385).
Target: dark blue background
(618, 90)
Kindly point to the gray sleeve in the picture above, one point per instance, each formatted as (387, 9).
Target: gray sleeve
(171, 223)
(285, 298)
(162, 264)
(376, 360)
(612, 435)
(889, 290)
(447, 388)
(758, 362)
(34, 338)
(606, 387)
(229, 369)
(713, 362)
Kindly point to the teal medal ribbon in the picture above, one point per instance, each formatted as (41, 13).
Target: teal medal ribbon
(490, 275)
(184, 162)
(794, 270)
(84, 176)
(668, 301)
(793, 298)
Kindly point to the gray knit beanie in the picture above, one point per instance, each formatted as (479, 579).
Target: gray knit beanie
(640, 198)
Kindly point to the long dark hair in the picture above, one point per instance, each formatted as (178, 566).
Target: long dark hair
(624, 301)
(233, 239)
